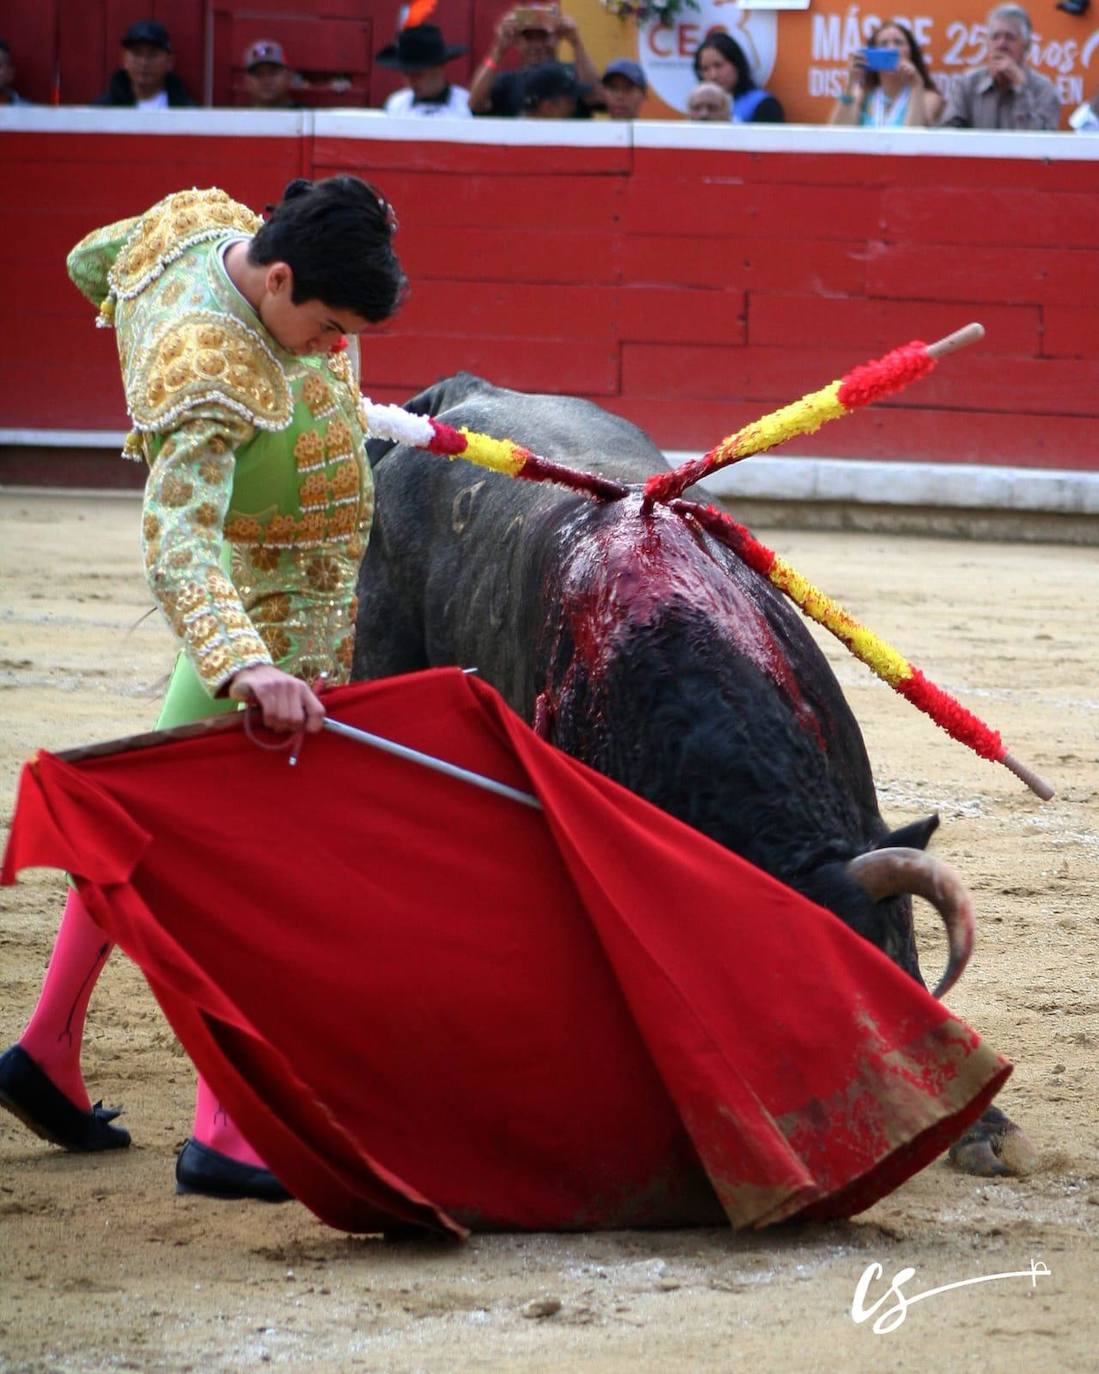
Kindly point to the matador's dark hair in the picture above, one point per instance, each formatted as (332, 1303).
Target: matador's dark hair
(335, 235)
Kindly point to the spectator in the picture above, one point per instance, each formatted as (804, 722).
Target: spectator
(710, 103)
(8, 94)
(146, 79)
(550, 91)
(721, 60)
(906, 95)
(267, 78)
(420, 54)
(1005, 93)
(534, 31)
(624, 89)
(1085, 118)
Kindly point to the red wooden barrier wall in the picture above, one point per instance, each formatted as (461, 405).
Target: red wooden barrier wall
(690, 287)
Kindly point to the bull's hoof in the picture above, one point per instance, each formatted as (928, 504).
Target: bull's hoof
(994, 1147)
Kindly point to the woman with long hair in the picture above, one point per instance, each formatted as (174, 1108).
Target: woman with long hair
(720, 59)
(905, 95)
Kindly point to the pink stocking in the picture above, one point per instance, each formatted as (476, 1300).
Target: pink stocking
(214, 1129)
(56, 1029)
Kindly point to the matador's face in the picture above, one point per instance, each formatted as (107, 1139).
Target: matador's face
(305, 327)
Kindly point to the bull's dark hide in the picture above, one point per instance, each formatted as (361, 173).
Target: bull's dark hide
(643, 648)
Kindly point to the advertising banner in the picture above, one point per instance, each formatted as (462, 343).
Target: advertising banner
(802, 55)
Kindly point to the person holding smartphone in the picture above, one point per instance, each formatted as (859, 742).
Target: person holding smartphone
(534, 32)
(888, 84)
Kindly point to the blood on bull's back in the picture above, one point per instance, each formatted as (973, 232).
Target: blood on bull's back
(630, 639)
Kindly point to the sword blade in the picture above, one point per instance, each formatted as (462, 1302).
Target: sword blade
(451, 770)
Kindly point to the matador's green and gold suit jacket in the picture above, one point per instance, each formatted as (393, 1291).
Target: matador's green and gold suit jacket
(259, 497)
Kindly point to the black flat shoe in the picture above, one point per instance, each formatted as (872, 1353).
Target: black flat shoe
(28, 1094)
(212, 1174)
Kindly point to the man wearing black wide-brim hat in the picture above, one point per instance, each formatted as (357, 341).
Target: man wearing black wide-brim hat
(420, 54)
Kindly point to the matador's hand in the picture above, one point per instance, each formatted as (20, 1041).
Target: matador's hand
(287, 703)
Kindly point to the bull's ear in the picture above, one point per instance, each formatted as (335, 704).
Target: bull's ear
(915, 835)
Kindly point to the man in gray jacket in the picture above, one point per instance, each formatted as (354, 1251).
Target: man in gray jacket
(1005, 93)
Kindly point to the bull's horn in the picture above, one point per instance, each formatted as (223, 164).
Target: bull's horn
(891, 872)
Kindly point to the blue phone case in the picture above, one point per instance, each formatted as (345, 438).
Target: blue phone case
(881, 59)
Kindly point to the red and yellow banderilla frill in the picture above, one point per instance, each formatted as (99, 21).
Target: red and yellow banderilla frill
(871, 381)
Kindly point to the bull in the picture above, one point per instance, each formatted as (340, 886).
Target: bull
(634, 641)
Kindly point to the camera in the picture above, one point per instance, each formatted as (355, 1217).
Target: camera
(881, 59)
(537, 17)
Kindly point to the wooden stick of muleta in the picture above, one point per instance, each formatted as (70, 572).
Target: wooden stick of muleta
(872, 381)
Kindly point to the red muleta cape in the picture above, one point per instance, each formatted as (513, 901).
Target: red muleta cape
(427, 1004)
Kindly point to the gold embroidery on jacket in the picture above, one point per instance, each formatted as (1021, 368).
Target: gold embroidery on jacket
(317, 396)
(309, 451)
(207, 359)
(172, 226)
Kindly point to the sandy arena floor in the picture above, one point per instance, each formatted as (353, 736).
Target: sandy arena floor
(103, 1268)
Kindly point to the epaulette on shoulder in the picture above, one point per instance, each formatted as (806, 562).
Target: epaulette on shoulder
(207, 360)
(165, 232)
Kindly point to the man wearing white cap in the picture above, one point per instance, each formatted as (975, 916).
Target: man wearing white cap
(267, 78)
